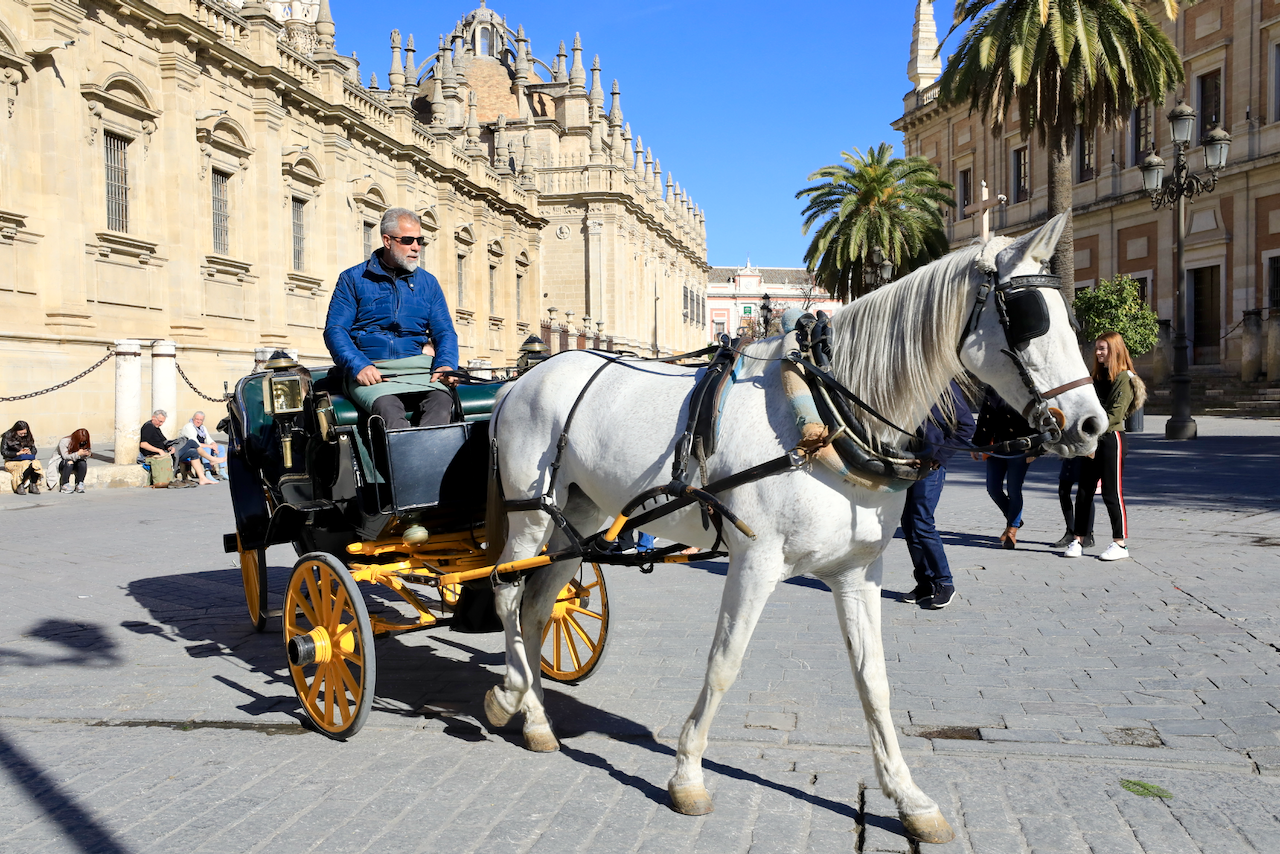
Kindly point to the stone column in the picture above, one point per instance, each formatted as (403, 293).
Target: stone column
(128, 399)
(164, 388)
(1273, 346)
(1251, 363)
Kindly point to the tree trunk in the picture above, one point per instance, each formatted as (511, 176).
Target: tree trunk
(1060, 201)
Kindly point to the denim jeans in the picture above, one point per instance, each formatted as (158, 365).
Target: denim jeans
(1010, 474)
(928, 561)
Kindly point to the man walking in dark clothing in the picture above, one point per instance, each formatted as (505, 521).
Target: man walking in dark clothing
(934, 585)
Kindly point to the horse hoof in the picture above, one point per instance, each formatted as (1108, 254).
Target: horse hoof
(928, 827)
(541, 740)
(493, 710)
(690, 800)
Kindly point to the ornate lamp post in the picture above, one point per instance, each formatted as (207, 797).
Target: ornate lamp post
(879, 271)
(766, 314)
(1173, 193)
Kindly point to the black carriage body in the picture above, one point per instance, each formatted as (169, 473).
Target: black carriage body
(321, 475)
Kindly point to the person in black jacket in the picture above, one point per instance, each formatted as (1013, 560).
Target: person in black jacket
(1000, 422)
(19, 451)
(934, 584)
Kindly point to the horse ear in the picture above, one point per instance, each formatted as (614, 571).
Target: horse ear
(1038, 245)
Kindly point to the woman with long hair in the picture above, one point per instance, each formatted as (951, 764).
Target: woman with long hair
(19, 451)
(1121, 392)
(73, 458)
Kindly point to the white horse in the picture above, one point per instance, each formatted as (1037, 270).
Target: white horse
(897, 349)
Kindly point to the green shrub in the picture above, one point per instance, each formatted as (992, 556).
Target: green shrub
(1116, 306)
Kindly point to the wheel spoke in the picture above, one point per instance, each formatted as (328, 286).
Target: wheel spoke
(581, 633)
(344, 700)
(328, 693)
(307, 611)
(572, 646)
(574, 609)
(313, 690)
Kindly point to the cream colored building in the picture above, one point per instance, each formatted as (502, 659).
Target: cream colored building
(1231, 51)
(735, 296)
(198, 172)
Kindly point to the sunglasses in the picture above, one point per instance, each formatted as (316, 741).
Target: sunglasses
(409, 241)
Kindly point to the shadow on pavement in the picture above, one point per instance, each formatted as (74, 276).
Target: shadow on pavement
(83, 644)
(77, 824)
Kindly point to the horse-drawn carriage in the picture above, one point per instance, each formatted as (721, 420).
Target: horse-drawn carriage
(362, 504)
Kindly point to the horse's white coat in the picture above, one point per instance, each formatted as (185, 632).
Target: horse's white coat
(807, 521)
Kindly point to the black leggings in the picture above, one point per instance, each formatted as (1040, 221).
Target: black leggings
(1067, 478)
(66, 468)
(1106, 465)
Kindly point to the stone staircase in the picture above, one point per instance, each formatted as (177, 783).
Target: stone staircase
(1215, 392)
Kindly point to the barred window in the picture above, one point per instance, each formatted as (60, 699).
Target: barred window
(1021, 175)
(964, 192)
(493, 289)
(221, 213)
(461, 275)
(117, 150)
(519, 296)
(368, 229)
(1140, 128)
(1273, 284)
(1086, 168)
(299, 234)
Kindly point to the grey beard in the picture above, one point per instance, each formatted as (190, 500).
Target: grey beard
(405, 265)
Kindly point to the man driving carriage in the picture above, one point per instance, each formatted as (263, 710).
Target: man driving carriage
(383, 313)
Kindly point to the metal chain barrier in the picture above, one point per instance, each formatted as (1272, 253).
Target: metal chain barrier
(78, 376)
(188, 381)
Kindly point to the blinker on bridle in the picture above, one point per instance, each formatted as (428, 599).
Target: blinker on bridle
(1024, 317)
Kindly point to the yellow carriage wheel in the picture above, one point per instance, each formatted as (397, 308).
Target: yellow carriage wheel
(573, 641)
(253, 570)
(329, 639)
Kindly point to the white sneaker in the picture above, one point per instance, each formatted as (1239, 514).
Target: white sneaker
(1074, 550)
(80, 488)
(68, 488)
(1115, 551)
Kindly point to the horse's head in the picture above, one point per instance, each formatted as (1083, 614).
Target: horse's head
(1021, 340)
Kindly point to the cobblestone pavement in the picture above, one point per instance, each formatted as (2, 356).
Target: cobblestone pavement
(140, 713)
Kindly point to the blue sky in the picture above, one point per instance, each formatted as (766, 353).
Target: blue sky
(740, 101)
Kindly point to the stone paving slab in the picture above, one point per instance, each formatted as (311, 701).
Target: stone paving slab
(1070, 674)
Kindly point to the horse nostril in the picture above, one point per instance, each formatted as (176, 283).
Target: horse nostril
(1091, 427)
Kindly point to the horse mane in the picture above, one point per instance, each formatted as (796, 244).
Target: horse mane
(896, 347)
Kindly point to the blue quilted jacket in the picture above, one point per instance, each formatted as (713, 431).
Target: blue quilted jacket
(373, 316)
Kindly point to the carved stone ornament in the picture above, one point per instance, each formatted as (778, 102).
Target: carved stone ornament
(562, 232)
(95, 122)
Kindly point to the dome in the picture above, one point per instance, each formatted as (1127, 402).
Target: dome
(491, 81)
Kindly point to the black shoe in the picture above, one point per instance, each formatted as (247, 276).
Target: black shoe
(1065, 541)
(1087, 541)
(34, 488)
(943, 594)
(22, 489)
(921, 593)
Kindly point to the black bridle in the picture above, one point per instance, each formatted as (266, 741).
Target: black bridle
(1024, 316)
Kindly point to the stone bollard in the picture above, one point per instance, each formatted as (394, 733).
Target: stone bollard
(164, 384)
(1162, 358)
(1251, 363)
(128, 399)
(1272, 359)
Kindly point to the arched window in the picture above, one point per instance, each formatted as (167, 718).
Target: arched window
(486, 46)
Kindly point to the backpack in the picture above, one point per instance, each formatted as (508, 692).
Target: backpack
(161, 466)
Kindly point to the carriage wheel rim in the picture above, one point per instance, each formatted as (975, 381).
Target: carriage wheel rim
(253, 573)
(323, 603)
(573, 639)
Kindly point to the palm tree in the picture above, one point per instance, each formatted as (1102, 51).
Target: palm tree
(1060, 63)
(869, 202)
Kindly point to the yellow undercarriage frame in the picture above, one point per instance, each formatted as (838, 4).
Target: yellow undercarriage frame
(574, 638)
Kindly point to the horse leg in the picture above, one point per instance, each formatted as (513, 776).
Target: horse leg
(746, 591)
(858, 608)
(528, 531)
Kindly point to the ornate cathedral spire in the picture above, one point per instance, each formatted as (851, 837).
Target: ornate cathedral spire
(521, 68)
(924, 66)
(437, 102)
(596, 94)
(324, 26)
(410, 70)
(395, 77)
(577, 74)
(559, 74)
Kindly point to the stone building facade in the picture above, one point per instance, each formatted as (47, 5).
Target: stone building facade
(198, 172)
(1231, 52)
(735, 296)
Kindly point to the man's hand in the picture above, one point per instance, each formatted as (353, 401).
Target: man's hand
(369, 376)
(438, 376)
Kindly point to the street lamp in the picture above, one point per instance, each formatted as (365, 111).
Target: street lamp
(879, 271)
(766, 314)
(1173, 193)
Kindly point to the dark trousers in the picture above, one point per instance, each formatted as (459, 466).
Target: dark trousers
(928, 561)
(1106, 465)
(436, 408)
(1004, 485)
(66, 468)
(1067, 478)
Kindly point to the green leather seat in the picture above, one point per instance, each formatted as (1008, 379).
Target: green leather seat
(477, 400)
